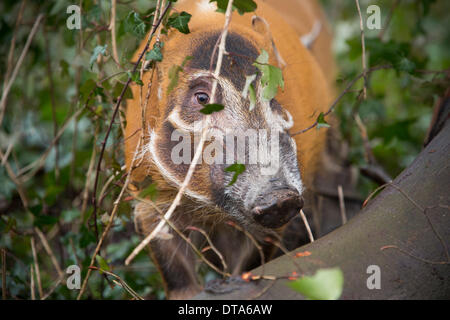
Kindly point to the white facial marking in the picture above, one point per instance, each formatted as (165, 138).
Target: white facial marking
(166, 173)
(204, 6)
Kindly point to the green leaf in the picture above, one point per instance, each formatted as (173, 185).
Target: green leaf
(70, 215)
(135, 78)
(321, 123)
(87, 237)
(86, 88)
(155, 54)
(271, 76)
(326, 284)
(211, 108)
(117, 90)
(180, 21)
(103, 264)
(97, 50)
(252, 97)
(133, 24)
(241, 6)
(173, 77)
(151, 191)
(44, 220)
(173, 74)
(237, 168)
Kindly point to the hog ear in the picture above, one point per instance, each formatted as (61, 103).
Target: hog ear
(261, 26)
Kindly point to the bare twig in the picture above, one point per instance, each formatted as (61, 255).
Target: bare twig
(112, 27)
(121, 282)
(52, 100)
(199, 148)
(36, 267)
(116, 109)
(33, 294)
(53, 288)
(211, 245)
(49, 251)
(363, 44)
(308, 229)
(186, 239)
(253, 240)
(109, 225)
(343, 93)
(7, 88)
(388, 19)
(3, 274)
(413, 256)
(342, 204)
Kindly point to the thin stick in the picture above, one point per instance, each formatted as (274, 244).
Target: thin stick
(413, 256)
(18, 65)
(343, 93)
(116, 110)
(388, 19)
(53, 288)
(36, 266)
(363, 44)
(121, 282)
(33, 294)
(110, 223)
(308, 229)
(211, 245)
(13, 42)
(199, 149)
(342, 204)
(188, 241)
(49, 251)
(112, 27)
(3, 274)
(255, 243)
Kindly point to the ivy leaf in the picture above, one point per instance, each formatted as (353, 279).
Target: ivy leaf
(249, 90)
(135, 25)
(326, 284)
(173, 74)
(252, 97)
(102, 263)
(241, 6)
(86, 88)
(321, 123)
(211, 108)
(155, 54)
(180, 21)
(97, 50)
(237, 168)
(271, 76)
(151, 191)
(135, 78)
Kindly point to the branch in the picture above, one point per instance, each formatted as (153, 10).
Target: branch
(17, 67)
(199, 149)
(116, 109)
(343, 93)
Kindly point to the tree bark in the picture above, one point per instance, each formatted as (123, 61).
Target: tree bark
(405, 231)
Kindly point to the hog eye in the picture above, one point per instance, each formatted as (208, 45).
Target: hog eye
(201, 98)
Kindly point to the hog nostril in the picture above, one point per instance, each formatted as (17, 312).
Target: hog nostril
(277, 213)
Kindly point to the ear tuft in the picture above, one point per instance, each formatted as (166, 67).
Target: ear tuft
(261, 26)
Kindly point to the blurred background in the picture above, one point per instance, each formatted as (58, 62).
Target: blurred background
(56, 114)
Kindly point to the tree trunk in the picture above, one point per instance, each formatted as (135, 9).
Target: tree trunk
(405, 231)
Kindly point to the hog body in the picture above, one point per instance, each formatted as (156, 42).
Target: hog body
(260, 202)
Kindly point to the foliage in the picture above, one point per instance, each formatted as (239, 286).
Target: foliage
(326, 284)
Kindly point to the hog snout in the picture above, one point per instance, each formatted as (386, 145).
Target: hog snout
(276, 208)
